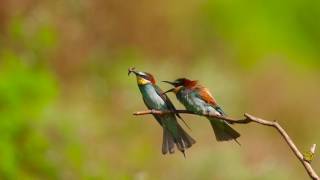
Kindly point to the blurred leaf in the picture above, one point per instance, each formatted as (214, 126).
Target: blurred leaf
(24, 93)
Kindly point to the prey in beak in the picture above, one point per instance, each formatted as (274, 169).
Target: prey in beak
(132, 70)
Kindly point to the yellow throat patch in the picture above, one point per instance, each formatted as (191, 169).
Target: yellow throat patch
(142, 81)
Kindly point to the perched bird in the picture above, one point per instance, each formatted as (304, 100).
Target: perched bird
(199, 100)
(154, 98)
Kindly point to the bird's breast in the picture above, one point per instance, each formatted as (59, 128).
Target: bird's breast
(152, 98)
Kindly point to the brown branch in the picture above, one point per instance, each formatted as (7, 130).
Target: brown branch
(248, 119)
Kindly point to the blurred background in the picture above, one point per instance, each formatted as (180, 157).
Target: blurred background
(66, 101)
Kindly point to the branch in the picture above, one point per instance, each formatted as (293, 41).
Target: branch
(248, 119)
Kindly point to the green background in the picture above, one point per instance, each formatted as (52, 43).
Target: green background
(66, 101)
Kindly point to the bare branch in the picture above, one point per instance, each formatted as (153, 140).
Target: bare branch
(248, 119)
(229, 120)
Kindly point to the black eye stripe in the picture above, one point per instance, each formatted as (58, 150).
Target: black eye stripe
(145, 77)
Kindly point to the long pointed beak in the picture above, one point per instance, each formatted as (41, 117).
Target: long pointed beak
(169, 82)
(132, 70)
(170, 90)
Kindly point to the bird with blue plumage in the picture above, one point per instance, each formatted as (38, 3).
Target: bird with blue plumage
(198, 99)
(154, 98)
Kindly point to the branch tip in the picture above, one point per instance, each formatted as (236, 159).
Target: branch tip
(313, 148)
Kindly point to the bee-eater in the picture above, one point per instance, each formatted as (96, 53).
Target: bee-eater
(199, 100)
(154, 98)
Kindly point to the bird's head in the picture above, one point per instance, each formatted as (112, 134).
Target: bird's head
(179, 83)
(142, 77)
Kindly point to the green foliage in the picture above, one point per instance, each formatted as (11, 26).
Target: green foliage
(256, 29)
(24, 94)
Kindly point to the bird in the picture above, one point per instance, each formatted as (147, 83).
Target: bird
(154, 98)
(197, 99)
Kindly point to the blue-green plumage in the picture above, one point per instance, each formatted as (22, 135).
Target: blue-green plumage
(198, 99)
(154, 98)
(191, 101)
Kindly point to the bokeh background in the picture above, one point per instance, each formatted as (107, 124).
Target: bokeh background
(66, 101)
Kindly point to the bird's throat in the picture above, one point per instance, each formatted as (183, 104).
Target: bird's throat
(142, 81)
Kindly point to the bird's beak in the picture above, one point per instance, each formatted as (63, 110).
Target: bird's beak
(169, 82)
(170, 90)
(132, 70)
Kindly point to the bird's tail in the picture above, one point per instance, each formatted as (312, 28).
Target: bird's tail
(223, 131)
(168, 142)
(183, 141)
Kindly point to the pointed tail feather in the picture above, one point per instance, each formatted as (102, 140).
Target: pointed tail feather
(223, 131)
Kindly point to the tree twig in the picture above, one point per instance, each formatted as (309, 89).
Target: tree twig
(248, 119)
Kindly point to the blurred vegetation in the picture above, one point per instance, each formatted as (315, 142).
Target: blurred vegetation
(66, 101)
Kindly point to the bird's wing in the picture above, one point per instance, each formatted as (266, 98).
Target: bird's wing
(206, 96)
(169, 103)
